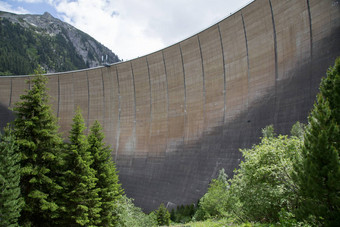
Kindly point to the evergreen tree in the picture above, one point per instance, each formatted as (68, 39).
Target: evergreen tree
(11, 202)
(163, 215)
(319, 170)
(39, 143)
(110, 190)
(81, 200)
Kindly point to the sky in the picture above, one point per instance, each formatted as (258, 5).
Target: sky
(132, 28)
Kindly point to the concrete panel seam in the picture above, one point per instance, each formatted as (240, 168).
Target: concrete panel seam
(185, 90)
(248, 72)
(88, 102)
(167, 102)
(147, 64)
(310, 30)
(119, 112)
(203, 78)
(275, 59)
(134, 107)
(224, 75)
(103, 87)
(311, 47)
(58, 110)
(10, 94)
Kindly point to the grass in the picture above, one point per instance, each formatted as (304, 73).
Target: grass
(218, 223)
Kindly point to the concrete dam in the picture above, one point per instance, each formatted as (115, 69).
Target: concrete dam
(175, 117)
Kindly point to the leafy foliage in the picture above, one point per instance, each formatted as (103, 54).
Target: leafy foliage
(215, 202)
(11, 202)
(39, 143)
(131, 216)
(263, 184)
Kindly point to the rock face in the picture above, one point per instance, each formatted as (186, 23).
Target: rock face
(177, 116)
(58, 36)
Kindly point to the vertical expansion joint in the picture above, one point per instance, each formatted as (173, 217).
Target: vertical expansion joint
(166, 83)
(203, 78)
(275, 42)
(147, 64)
(58, 110)
(311, 48)
(275, 59)
(185, 89)
(103, 87)
(134, 102)
(10, 94)
(224, 75)
(248, 72)
(88, 101)
(167, 99)
(310, 30)
(119, 111)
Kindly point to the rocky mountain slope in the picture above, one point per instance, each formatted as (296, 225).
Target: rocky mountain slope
(27, 41)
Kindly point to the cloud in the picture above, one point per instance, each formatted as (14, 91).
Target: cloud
(4, 6)
(132, 28)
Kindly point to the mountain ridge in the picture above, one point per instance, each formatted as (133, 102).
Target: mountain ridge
(31, 40)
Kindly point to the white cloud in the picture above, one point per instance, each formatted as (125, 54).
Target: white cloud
(31, 1)
(133, 28)
(4, 6)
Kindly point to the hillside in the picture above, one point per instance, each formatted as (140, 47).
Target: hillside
(27, 41)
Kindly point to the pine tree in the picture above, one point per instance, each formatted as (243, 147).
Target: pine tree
(319, 171)
(39, 144)
(110, 190)
(163, 215)
(81, 200)
(11, 201)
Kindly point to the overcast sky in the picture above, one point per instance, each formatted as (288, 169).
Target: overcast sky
(132, 28)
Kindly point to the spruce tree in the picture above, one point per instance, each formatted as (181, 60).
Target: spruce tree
(39, 143)
(110, 190)
(81, 200)
(163, 215)
(11, 201)
(319, 170)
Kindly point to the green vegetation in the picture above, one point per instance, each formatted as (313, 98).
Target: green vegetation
(162, 215)
(183, 214)
(81, 199)
(10, 198)
(47, 182)
(318, 173)
(288, 181)
(39, 143)
(110, 190)
(284, 180)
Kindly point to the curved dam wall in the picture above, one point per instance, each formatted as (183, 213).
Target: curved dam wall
(175, 117)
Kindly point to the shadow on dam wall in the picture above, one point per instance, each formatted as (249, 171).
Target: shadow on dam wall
(6, 116)
(182, 176)
(216, 90)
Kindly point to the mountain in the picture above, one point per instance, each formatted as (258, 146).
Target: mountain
(27, 41)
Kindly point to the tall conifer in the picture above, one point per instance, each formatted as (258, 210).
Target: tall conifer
(11, 201)
(319, 171)
(39, 143)
(81, 200)
(110, 190)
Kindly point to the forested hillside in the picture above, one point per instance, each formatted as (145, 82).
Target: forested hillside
(27, 41)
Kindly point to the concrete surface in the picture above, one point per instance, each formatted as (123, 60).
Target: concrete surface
(175, 117)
